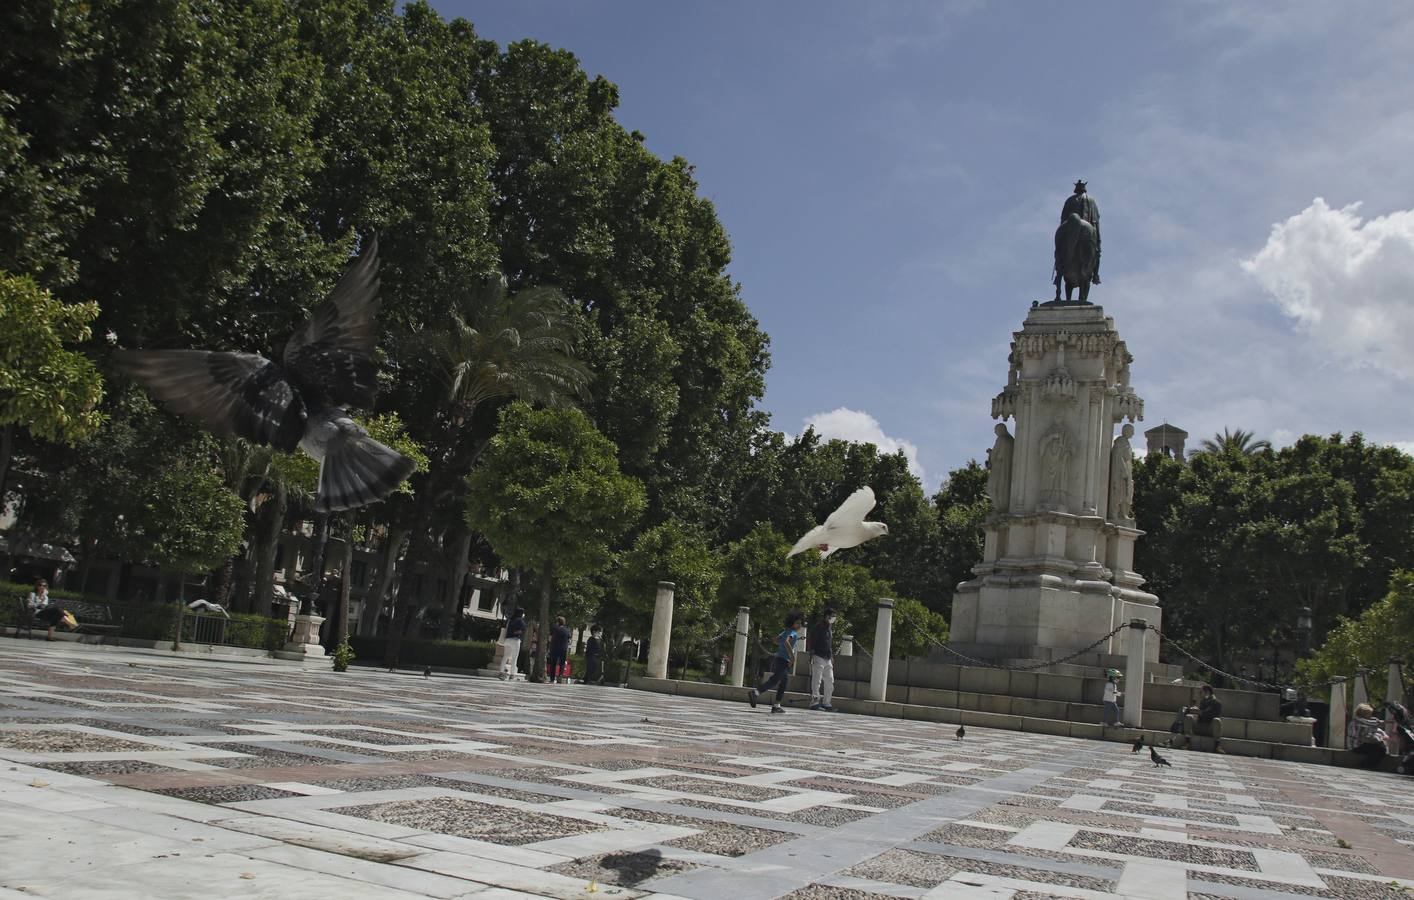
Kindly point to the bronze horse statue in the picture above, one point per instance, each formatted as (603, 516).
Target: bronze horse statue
(1075, 257)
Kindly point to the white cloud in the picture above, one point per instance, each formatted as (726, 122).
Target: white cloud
(1347, 282)
(856, 425)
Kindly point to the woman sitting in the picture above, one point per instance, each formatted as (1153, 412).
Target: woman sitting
(1365, 736)
(44, 609)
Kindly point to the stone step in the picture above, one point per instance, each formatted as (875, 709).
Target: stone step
(1234, 745)
(925, 674)
(1158, 719)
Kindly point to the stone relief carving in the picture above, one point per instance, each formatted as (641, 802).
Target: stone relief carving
(1057, 450)
(1090, 344)
(999, 469)
(1122, 478)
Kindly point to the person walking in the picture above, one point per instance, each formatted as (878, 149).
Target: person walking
(1205, 720)
(1112, 695)
(780, 663)
(822, 662)
(559, 651)
(515, 633)
(594, 655)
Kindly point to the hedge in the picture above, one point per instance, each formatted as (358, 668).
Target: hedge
(156, 621)
(451, 654)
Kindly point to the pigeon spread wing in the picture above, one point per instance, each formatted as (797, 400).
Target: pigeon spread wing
(853, 510)
(357, 470)
(813, 538)
(332, 354)
(240, 394)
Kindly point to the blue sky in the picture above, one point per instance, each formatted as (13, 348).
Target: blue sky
(890, 175)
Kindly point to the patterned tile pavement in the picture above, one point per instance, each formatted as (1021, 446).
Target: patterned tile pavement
(132, 774)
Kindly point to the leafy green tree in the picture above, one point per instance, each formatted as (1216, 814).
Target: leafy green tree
(1384, 630)
(963, 505)
(46, 388)
(549, 496)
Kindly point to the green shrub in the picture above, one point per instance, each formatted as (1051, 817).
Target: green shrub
(343, 655)
(451, 654)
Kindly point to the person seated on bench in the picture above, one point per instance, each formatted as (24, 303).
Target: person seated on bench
(1205, 720)
(46, 610)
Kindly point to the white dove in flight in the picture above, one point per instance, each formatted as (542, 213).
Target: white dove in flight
(844, 528)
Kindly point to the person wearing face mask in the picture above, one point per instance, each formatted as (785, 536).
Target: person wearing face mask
(822, 662)
(780, 663)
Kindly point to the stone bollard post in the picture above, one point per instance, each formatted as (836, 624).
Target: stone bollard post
(743, 630)
(1362, 687)
(883, 635)
(1335, 724)
(662, 631)
(1134, 675)
(846, 646)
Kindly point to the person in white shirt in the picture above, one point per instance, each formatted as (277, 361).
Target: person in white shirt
(1112, 695)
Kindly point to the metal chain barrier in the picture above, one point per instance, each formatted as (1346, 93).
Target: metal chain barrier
(991, 665)
(1268, 685)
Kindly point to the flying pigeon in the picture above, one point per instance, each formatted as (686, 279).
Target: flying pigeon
(207, 606)
(1158, 760)
(844, 528)
(961, 732)
(1138, 744)
(302, 401)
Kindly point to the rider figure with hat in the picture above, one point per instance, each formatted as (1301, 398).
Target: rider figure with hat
(1084, 206)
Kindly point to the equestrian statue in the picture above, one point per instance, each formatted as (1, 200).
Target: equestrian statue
(1077, 261)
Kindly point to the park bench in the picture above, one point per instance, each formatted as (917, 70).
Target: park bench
(96, 618)
(24, 616)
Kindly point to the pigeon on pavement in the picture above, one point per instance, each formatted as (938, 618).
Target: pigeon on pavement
(303, 401)
(1158, 760)
(961, 732)
(1138, 744)
(844, 528)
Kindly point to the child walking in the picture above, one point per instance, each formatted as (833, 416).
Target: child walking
(780, 663)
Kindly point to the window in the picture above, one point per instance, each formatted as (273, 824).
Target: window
(358, 575)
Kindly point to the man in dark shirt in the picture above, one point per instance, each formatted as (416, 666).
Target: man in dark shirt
(1205, 720)
(594, 655)
(559, 650)
(822, 662)
(515, 633)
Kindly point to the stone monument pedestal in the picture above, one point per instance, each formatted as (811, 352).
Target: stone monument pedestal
(306, 638)
(1057, 567)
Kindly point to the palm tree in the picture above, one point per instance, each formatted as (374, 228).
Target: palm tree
(499, 345)
(1239, 442)
(495, 346)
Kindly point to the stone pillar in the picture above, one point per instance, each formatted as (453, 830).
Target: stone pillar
(306, 637)
(1335, 725)
(743, 630)
(1134, 675)
(1362, 687)
(883, 636)
(846, 646)
(662, 631)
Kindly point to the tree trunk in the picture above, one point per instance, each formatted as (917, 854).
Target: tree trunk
(373, 601)
(542, 645)
(7, 450)
(268, 544)
(312, 601)
(245, 578)
(225, 583)
(461, 547)
(341, 634)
